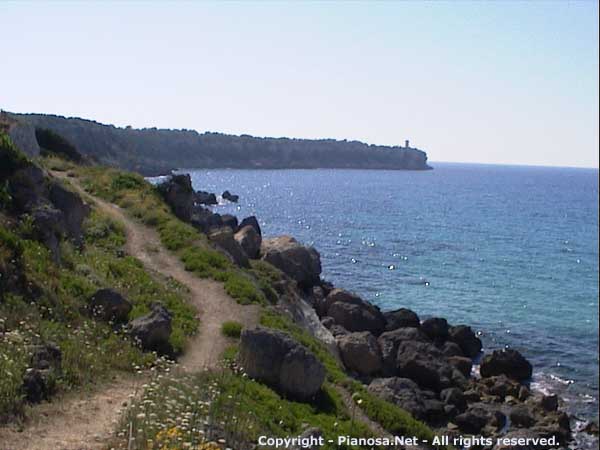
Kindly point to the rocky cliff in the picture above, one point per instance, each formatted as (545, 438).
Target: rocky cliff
(152, 151)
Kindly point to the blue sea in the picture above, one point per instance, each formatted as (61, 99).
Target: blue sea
(511, 251)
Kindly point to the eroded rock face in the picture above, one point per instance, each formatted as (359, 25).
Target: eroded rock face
(508, 362)
(249, 240)
(274, 358)
(28, 188)
(75, 210)
(223, 238)
(153, 330)
(109, 305)
(49, 228)
(302, 264)
(179, 195)
(360, 352)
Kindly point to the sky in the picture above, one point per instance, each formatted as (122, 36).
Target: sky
(487, 82)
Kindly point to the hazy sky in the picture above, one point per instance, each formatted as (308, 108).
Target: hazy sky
(506, 82)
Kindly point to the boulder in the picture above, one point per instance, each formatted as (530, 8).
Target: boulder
(402, 392)
(420, 362)
(205, 198)
(109, 305)
(249, 240)
(508, 362)
(229, 220)
(153, 330)
(230, 197)
(45, 367)
(223, 239)
(75, 210)
(454, 396)
(473, 420)
(335, 329)
(406, 394)
(521, 417)
(451, 349)
(500, 386)
(466, 339)
(400, 318)
(389, 342)
(205, 220)
(436, 328)
(302, 264)
(353, 313)
(360, 352)
(462, 364)
(276, 359)
(253, 222)
(179, 195)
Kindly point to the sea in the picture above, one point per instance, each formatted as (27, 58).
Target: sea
(510, 250)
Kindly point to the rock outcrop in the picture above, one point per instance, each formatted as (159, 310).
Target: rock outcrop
(249, 240)
(153, 330)
(360, 352)
(302, 264)
(179, 195)
(109, 305)
(353, 313)
(507, 362)
(224, 240)
(276, 359)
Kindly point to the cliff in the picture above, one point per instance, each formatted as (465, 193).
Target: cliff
(152, 151)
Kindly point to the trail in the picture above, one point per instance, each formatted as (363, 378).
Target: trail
(86, 420)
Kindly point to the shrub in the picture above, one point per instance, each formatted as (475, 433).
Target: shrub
(231, 329)
(11, 158)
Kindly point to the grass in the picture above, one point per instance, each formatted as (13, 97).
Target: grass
(189, 411)
(150, 424)
(231, 329)
(391, 417)
(142, 201)
(43, 302)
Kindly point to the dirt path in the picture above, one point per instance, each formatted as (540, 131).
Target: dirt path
(83, 421)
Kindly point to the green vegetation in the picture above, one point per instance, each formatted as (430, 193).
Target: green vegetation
(11, 159)
(389, 416)
(227, 407)
(141, 200)
(42, 302)
(232, 329)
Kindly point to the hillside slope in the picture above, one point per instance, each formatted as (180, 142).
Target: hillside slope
(152, 151)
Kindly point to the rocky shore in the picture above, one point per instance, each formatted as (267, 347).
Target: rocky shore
(432, 369)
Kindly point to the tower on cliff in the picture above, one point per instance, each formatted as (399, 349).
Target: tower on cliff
(406, 144)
